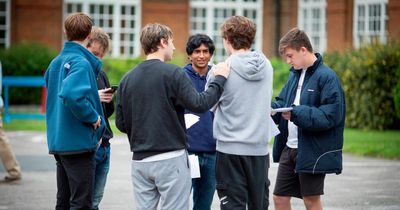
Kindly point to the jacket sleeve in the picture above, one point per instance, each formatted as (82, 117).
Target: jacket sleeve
(75, 88)
(109, 107)
(329, 114)
(192, 100)
(119, 117)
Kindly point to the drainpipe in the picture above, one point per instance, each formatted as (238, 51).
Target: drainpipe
(277, 26)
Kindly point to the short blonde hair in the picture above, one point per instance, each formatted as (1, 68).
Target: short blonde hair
(100, 36)
(151, 35)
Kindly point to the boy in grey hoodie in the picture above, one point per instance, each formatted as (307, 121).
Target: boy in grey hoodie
(242, 125)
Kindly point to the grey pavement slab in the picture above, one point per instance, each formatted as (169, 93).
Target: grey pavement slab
(365, 184)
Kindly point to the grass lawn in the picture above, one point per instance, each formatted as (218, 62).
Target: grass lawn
(382, 144)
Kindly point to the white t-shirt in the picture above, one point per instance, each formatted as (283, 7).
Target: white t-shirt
(292, 141)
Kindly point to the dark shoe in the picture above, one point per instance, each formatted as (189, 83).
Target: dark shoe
(11, 178)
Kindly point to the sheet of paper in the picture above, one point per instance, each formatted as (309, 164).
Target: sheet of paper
(191, 119)
(284, 109)
(273, 128)
(194, 166)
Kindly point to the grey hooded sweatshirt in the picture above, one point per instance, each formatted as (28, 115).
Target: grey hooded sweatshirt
(242, 123)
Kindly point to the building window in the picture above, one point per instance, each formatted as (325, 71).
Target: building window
(370, 22)
(119, 18)
(312, 19)
(4, 23)
(206, 16)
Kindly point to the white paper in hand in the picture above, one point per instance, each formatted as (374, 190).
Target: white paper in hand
(284, 109)
(191, 119)
(194, 166)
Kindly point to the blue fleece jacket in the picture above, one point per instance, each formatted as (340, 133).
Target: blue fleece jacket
(200, 135)
(73, 103)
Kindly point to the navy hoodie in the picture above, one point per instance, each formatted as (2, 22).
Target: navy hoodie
(200, 135)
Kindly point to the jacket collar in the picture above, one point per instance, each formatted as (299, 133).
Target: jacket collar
(192, 72)
(312, 68)
(73, 47)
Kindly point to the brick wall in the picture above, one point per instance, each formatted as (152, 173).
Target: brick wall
(394, 18)
(339, 16)
(174, 14)
(39, 21)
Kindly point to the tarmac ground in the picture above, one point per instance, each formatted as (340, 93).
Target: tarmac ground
(365, 184)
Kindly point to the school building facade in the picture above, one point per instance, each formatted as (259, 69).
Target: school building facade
(331, 24)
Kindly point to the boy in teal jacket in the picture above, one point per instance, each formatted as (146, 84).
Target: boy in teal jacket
(74, 115)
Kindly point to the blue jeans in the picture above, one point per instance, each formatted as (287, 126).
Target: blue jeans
(204, 187)
(102, 168)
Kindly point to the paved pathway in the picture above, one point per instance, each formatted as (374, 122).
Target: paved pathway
(366, 183)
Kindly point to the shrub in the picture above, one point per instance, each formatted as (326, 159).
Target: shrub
(281, 74)
(116, 68)
(397, 94)
(25, 59)
(369, 78)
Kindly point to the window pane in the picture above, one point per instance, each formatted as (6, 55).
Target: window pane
(207, 16)
(312, 20)
(371, 22)
(103, 15)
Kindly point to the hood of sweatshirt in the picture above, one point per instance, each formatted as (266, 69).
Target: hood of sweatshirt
(249, 65)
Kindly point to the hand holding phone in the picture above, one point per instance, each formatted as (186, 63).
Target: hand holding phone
(112, 89)
(106, 95)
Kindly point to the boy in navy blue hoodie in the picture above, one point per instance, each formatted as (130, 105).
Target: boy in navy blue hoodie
(74, 115)
(200, 49)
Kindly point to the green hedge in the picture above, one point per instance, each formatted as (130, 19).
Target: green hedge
(25, 59)
(281, 74)
(397, 94)
(369, 76)
(116, 68)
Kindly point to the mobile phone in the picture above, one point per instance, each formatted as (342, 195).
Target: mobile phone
(113, 89)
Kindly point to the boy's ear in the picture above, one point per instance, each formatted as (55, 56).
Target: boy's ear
(163, 43)
(303, 49)
(89, 36)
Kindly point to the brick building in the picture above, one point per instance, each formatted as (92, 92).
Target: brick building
(331, 24)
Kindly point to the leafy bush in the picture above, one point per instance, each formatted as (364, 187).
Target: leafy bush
(369, 77)
(397, 94)
(116, 68)
(281, 74)
(25, 59)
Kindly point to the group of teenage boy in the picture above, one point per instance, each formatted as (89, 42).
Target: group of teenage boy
(236, 119)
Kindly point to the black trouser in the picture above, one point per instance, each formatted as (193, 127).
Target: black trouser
(75, 180)
(242, 181)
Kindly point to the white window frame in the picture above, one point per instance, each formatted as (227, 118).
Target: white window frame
(116, 29)
(306, 23)
(239, 6)
(6, 27)
(366, 36)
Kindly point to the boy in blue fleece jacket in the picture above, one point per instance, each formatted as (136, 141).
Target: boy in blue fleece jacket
(74, 115)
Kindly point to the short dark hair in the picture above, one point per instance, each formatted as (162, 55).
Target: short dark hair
(295, 39)
(151, 35)
(240, 31)
(77, 26)
(195, 41)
